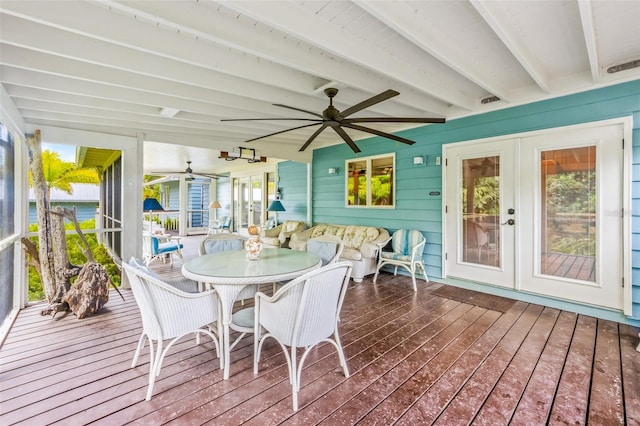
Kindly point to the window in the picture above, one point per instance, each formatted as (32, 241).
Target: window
(7, 226)
(371, 181)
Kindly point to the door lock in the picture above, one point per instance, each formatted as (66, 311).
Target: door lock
(511, 211)
(509, 222)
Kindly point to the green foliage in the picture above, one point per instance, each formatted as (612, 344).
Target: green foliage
(76, 257)
(150, 191)
(61, 174)
(486, 196)
(170, 223)
(573, 245)
(570, 208)
(571, 192)
(381, 190)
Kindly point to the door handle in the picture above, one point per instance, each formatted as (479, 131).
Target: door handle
(509, 222)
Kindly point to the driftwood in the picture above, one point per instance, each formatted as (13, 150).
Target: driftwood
(90, 291)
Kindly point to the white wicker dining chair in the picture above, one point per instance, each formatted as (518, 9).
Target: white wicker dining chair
(302, 314)
(168, 313)
(327, 247)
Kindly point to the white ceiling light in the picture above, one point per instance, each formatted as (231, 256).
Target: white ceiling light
(169, 112)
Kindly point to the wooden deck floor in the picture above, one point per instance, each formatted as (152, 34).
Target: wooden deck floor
(439, 356)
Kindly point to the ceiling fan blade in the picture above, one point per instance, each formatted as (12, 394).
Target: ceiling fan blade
(206, 175)
(379, 133)
(283, 131)
(369, 102)
(266, 119)
(393, 120)
(339, 130)
(313, 137)
(298, 109)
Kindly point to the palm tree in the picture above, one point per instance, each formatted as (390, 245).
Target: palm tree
(61, 174)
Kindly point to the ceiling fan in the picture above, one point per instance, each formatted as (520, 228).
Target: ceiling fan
(188, 172)
(332, 117)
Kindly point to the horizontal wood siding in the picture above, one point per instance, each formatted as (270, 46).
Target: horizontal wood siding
(292, 177)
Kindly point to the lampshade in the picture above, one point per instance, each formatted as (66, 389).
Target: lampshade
(151, 204)
(276, 206)
(214, 205)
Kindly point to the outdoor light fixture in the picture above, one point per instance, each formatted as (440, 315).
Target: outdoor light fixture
(625, 66)
(333, 170)
(489, 99)
(418, 161)
(243, 153)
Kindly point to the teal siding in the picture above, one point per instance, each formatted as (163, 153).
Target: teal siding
(292, 178)
(416, 208)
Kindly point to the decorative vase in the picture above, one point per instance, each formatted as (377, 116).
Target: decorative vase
(254, 247)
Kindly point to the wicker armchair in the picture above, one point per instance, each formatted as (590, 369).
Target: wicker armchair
(302, 314)
(162, 308)
(280, 235)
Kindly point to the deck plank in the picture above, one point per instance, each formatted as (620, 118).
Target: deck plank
(606, 404)
(476, 390)
(414, 358)
(432, 403)
(535, 405)
(572, 397)
(630, 362)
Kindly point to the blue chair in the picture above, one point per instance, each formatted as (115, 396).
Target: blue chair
(408, 246)
(160, 247)
(221, 242)
(226, 224)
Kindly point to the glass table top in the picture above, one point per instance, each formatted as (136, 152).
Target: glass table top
(234, 264)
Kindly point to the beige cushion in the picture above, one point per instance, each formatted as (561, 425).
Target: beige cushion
(273, 241)
(318, 231)
(351, 254)
(355, 236)
(338, 231)
(290, 225)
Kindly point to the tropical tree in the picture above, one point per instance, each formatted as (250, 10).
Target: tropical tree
(50, 257)
(60, 174)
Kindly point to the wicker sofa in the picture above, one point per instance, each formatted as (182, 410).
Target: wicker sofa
(361, 244)
(279, 236)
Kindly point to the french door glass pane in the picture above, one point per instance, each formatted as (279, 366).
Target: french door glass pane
(568, 213)
(257, 201)
(481, 210)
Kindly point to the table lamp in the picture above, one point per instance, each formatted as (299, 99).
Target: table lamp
(276, 206)
(215, 205)
(151, 205)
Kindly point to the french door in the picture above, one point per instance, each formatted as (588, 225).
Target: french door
(541, 214)
(248, 195)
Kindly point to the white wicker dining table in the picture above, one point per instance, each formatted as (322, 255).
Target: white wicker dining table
(229, 272)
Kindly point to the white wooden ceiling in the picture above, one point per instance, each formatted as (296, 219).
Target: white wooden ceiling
(110, 66)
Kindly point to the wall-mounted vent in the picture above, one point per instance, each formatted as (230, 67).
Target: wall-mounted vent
(489, 100)
(625, 66)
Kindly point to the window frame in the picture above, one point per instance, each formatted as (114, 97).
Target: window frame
(369, 170)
